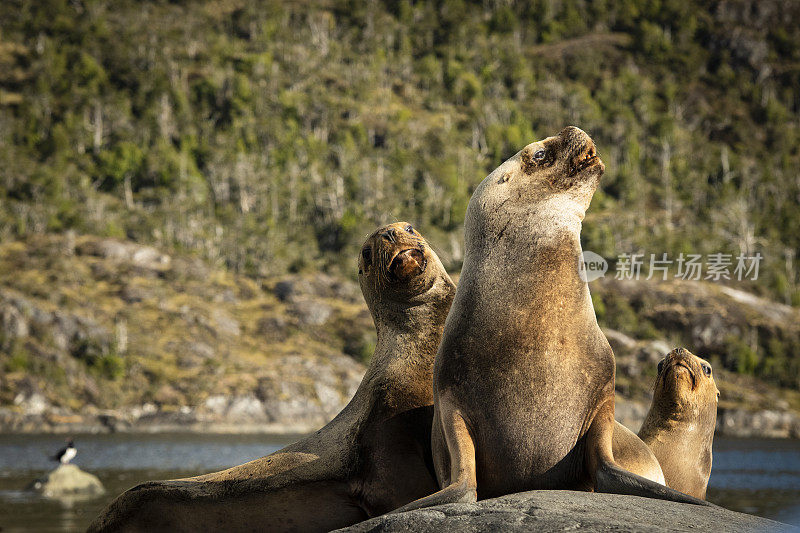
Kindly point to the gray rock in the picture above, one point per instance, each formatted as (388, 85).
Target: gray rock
(630, 414)
(652, 352)
(225, 323)
(138, 255)
(34, 404)
(291, 288)
(68, 481)
(311, 312)
(620, 342)
(274, 328)
(764, 423)
(552, 510)
(14, 325)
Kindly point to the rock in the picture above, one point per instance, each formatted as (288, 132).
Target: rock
(704, 316)
(68, 481)
(226, 296)
(311, 312)
(166, 394)
(630, 414)
(187, 268)
(652, 352)
(12, 322)
(132, 294)
(284, 290)
(291, 288)
(619, 342)
(34, 404)
(765, 423)
(198, 353)
(273, 328)
(138, 255)
(225, 323)
(555, 510)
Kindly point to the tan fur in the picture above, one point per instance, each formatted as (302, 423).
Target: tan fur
(679, 426)
(373, 457)
(524, 378)
(632, 454)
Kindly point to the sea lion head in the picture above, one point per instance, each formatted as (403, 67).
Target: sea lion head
(552, 178)
(685, 388)
(397, 263)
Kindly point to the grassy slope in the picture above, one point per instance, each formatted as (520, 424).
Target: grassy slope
(168, 334)
(193, 331)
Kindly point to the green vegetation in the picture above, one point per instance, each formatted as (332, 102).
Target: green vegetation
(270, 137)
(83, 325)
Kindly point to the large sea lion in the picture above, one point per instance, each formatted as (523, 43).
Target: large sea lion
(679, 427)
(524, 378)
(373, 457)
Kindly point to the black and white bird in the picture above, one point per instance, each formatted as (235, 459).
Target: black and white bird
(66, 454)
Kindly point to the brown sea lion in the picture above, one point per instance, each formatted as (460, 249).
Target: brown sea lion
(679, 427)
(373, 457)
(524, 378)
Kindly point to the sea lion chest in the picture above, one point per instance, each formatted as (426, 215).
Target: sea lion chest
(528, 380)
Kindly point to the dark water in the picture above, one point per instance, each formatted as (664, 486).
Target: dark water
(761, 477)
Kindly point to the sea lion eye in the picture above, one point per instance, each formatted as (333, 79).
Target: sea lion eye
(707, 370)
(539, 155)
(410, 228)
(366, 253)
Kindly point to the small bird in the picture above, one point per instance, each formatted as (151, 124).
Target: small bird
(66, 454)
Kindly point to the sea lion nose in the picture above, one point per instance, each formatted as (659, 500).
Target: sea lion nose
(389, 234)
(680, 354)
(407, 264)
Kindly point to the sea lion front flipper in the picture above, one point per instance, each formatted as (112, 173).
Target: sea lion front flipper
(632, 454)
(610, 477)
(461, 482)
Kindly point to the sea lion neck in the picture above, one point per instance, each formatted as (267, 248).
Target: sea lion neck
(408, 337)
(416, 315)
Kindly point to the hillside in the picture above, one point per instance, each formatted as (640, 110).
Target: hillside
(104, 330)
(271, 136)
(102, 334)
(182, 183)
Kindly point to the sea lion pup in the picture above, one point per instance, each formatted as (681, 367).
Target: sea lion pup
(373, 457)
(679, 427)
(524, 378)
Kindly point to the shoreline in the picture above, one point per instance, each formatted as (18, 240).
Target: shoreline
(731, 422)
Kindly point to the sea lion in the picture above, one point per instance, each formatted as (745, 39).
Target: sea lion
(524, 377)
(679, 426)
(373, 457)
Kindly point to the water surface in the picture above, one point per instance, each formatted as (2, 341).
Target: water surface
(755, 476)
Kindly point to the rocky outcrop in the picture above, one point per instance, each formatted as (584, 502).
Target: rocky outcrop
(68, 481)
(319, 387)
(739, 328)
(107, 335)
(767, 423)
(102, 334)
(551, 510)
